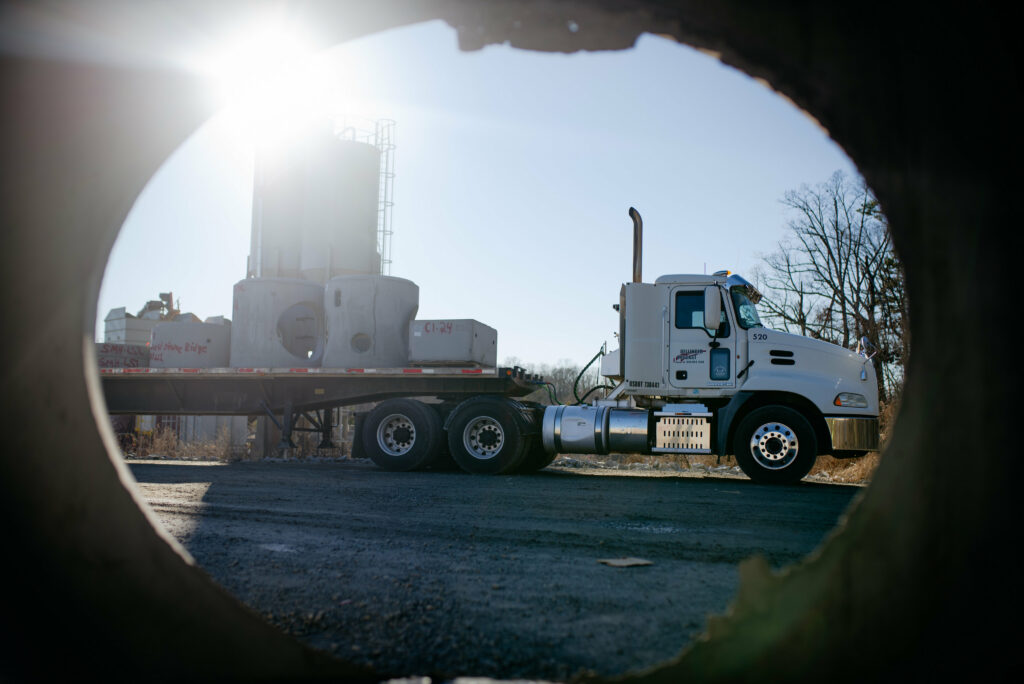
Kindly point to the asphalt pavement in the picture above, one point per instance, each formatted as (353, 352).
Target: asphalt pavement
(444, 574)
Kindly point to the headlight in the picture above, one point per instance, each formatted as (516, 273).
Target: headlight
(851, 400)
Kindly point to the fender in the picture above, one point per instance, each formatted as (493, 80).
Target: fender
(726, 415)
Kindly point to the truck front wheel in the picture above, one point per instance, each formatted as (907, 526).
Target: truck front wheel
(487, 435)
(775, 445)
(402, 434)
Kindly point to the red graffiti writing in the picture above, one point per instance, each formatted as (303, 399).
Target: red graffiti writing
(125, 349)
(438, 327)
(187, 348)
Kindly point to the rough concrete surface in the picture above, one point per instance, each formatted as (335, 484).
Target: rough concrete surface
(447, 574)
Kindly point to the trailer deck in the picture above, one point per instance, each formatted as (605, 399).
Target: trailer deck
(252, 391)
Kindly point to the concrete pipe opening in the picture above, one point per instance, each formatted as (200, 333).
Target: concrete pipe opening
(915, 562)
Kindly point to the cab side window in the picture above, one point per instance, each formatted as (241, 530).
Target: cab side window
(690, 313)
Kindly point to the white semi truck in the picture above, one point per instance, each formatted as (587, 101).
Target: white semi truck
(680, 386)
(773, 399)
(686, 386)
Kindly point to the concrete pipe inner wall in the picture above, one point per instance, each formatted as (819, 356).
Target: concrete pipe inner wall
(917, 581)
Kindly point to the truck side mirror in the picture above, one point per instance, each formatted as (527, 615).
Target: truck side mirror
(712, 308)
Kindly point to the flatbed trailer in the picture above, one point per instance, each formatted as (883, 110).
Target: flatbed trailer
(252, 391)
(494, 433)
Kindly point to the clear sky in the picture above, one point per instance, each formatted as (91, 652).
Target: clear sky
(514, 174)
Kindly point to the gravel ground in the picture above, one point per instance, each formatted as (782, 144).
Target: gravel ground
(448, 574)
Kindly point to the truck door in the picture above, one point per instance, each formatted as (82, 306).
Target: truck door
(699, 357)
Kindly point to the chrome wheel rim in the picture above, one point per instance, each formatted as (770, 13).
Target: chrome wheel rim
(774, 446)
(396, 435)
(483, 438)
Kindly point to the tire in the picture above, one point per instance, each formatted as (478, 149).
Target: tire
(775, 445)
(536, 457)
(401, 435)
(489, 435)
(357, 437)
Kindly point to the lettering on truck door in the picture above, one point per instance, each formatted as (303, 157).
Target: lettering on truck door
(692, 361)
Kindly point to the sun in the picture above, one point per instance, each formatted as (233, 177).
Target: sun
(269, 80)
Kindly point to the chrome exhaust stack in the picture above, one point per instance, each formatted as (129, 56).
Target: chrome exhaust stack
(638, 245)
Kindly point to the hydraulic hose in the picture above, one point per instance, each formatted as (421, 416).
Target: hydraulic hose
(593, 389)
(575, 384)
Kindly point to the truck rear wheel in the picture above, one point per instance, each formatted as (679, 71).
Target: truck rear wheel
(775, 445)
(402, 434)
(488, 435)
(537, 458)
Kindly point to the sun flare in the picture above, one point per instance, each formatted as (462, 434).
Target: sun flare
(269, 81)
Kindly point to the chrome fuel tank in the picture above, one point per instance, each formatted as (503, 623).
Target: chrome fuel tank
(594, 430)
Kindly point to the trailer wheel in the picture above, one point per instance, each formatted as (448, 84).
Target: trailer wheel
(775, 445)
(402, 434)
(488, 435)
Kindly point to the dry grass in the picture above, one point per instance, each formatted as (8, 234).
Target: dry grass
(662, 462)
(679, 461)
(887, 413)
(164, 443)
(846, 470)
(851, 470)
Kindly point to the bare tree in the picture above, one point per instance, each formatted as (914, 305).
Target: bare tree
(836, 276)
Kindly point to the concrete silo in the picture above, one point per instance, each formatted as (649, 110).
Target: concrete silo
(320, 218)
(316, 209)
(339, 226)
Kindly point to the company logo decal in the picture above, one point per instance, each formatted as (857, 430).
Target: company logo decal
(689, 356)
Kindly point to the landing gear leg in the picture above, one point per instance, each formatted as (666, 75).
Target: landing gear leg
(326, 427)
(286, 425)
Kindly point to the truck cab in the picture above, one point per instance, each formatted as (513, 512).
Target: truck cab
(698, 365)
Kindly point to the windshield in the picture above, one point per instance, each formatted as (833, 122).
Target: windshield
(746, 312)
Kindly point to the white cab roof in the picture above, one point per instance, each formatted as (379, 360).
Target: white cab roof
(689, 279)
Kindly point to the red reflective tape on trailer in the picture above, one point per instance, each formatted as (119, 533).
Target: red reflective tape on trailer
(135, 370)
(298, 370)
(472, 370)
(246, 370)
(353, 370)
(412, 370)
(189, 370)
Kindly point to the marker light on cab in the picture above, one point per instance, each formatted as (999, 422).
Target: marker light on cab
(850, 400)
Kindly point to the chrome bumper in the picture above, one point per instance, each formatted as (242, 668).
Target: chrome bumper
(853, 434)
